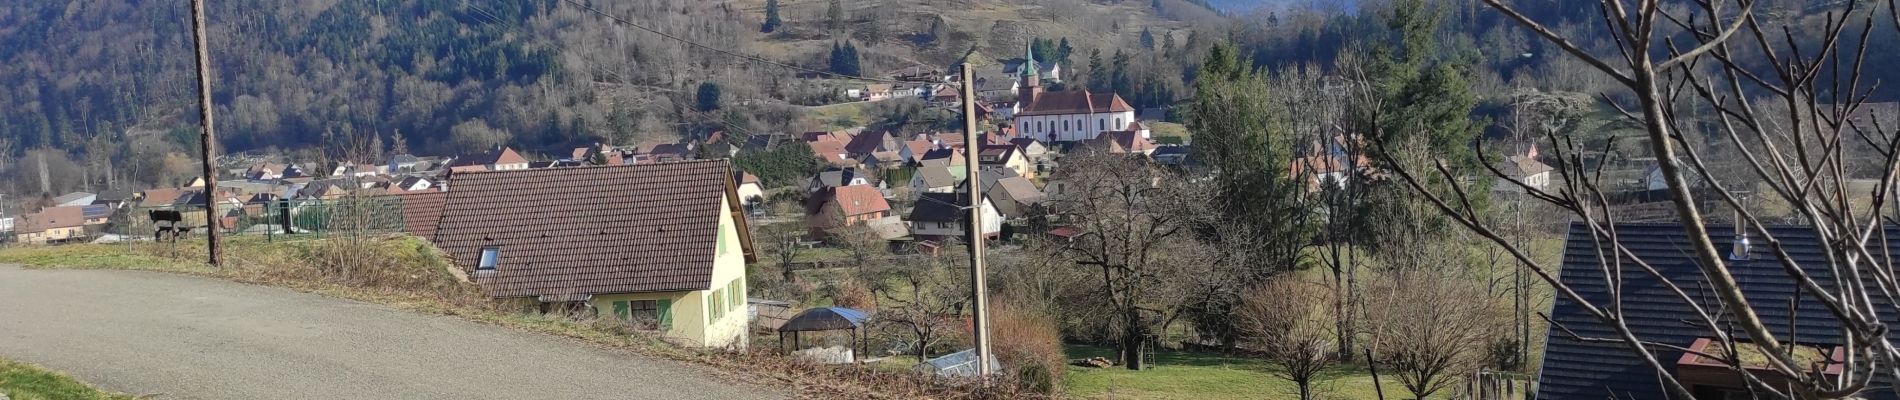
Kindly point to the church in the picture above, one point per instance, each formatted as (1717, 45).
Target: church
(1069, 116)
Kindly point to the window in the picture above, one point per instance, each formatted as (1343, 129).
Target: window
(1118, 123)
(733, 297)
(637, 310)
(490, 256)
(1101, 124)
(716, 306)
(1065, 125)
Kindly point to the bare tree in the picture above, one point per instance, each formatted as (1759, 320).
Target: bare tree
(1288, 319)
(924, 297)
(1135, 219)
(1783, 106)
(1428, 326)
(782, 244)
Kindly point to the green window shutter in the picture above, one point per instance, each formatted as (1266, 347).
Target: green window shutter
(666, 314)
(722, 239)
(622, 311)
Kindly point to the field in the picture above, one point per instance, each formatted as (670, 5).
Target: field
(22, 381)
(1180, 375)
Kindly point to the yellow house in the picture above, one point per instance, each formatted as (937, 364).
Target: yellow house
(661, 246)
(53, 224)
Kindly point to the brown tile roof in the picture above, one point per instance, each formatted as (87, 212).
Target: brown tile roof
(422, 212)
(590, 230)
(832, 152)
(1076, 102)
(162, 196)
(51, 218)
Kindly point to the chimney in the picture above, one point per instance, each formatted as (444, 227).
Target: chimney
(1740, 250)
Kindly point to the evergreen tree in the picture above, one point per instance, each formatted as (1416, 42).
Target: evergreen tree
(834, 16)
(1062, 52)
(708, 98)
(1098, 73)
(772, 21)
(844, 59)
(1147, 39)
(1119, 81)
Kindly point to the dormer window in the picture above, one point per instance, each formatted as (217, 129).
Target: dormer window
(490, 256)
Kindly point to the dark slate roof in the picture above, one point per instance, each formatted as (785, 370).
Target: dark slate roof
(939, 207)
(824, 319)
(588, 230)
(1594, 371)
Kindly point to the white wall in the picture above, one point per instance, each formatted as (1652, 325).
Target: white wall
(1079, 126)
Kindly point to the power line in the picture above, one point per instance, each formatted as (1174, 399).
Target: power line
(748, 57)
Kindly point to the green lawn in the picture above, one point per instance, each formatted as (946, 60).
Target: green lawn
(22, 381)
(1182, 375)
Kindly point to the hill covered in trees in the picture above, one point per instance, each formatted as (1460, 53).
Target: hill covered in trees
(105, 88)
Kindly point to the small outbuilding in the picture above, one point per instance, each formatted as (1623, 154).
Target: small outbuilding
(826, 319)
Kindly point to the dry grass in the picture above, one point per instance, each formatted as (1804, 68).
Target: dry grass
(408, 273)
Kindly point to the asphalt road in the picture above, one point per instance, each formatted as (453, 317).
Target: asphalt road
(184, 337)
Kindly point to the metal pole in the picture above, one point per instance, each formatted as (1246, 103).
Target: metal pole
(972, 175)
(206, 142)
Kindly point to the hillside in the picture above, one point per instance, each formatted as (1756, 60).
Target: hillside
(107, 85)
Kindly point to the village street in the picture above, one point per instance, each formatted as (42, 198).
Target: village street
(183, 337)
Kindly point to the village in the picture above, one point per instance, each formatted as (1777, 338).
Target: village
(1411, 199)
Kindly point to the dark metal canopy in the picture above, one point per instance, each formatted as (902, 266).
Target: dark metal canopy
(824, 319)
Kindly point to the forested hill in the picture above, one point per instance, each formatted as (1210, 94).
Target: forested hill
(105, 85)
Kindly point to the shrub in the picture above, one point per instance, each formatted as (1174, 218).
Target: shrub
(1029, 345)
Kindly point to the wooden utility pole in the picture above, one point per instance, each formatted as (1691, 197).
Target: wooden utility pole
(972, 174)
(206, 141)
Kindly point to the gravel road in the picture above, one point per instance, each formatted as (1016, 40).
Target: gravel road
(184, 337)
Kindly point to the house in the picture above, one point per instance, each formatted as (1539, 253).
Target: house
(1028, 66)
(660, 152)
(844, 206)
(882, 160)
(1011, 194)
(832, 150)
(1006, 156)
(936, 179)
(944, 156)
(52, 225)
(750, 191)
(1523, 169)
(412, 184)
(875, 92)
(941, 215)
(1173, 155)
(913, 150)
(1119, 142)
(162, 197)
(74, 199)
(356, 170)
(265, 171)
(1014, 197)
(662, 246)
(1581, 369)
(405, 162)
(835, 177)
(113, 198)
(496, 159)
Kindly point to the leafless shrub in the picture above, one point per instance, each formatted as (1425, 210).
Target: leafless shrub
(1428, 327)
(1289, 320)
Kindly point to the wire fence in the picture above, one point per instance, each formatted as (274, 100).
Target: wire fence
(273, 220)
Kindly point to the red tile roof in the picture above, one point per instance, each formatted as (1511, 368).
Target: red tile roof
(1076, 102)
(590, 230)
(859, 200)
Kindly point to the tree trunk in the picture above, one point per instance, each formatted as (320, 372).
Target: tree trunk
(1131, 341)
(1306, 391)
(46, 182)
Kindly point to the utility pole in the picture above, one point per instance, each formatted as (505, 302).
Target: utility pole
(206, 141)
(972, 174)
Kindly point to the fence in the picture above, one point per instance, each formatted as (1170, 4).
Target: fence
(274, 220)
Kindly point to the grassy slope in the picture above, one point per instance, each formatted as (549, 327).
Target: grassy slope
(22, 381)
(1204, 376)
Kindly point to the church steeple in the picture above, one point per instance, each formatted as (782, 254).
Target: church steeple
(1032, 82)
